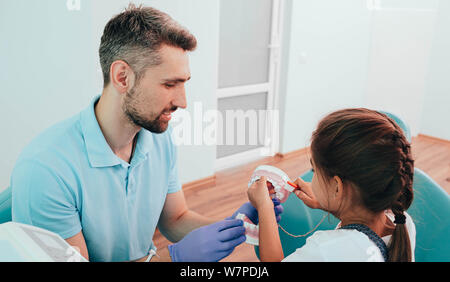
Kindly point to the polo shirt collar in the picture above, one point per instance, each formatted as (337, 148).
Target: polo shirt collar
(98, 150)
(143, 145)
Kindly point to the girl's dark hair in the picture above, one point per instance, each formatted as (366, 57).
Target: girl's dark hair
(369, 150)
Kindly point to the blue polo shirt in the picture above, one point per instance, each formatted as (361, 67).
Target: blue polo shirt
(68, 180)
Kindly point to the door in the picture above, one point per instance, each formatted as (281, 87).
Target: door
(249, 52)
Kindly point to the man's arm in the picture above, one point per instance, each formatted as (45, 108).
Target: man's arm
(79, 244)
(42, 198)
(177, 220)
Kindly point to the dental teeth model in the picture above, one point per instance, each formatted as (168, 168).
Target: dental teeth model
(251, 230)
(280, 182)
(278, 178)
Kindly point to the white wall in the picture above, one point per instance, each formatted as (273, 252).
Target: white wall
(46, 74)
(388, 55)
(402, 36)
(325, 66)
(436, 106)
(336, 54)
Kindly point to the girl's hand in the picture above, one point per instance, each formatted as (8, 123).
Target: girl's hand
(305, 194)
(258, 194)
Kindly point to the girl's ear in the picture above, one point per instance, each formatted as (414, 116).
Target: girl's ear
(338, 187)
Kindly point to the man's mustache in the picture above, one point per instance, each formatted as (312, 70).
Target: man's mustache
(173, 109)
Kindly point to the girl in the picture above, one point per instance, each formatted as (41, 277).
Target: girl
(363, 173)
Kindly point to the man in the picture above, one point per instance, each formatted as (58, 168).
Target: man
(107, 177)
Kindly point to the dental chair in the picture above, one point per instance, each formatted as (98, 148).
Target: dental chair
(5, 205)
(430, 211)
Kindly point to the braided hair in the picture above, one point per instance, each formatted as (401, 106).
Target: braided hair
(369, 150)
(400, 246)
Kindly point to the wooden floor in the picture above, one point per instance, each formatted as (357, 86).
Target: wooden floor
(230, 191)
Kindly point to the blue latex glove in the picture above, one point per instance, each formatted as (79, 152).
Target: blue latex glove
(252, 213)
(209, 243)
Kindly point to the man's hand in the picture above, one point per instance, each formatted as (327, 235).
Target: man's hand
(209, 243)
(252, 213)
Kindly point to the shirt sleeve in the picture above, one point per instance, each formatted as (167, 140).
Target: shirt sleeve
(41, 198)
(411, 227)
(174, 180)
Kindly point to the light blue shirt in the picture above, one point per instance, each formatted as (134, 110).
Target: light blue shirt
(68, 180)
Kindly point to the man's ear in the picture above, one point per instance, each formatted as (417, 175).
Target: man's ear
(121, 76)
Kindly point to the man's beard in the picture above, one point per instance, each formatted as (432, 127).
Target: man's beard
(156, 126)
